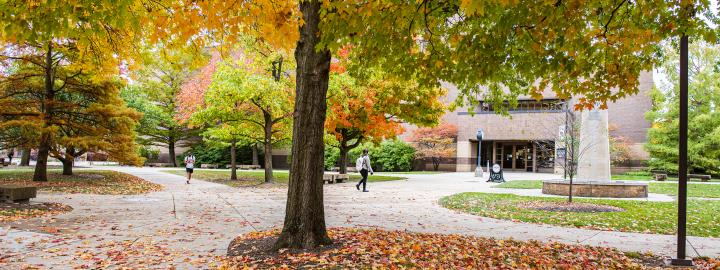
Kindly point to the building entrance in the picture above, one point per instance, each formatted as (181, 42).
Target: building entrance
(527, 156)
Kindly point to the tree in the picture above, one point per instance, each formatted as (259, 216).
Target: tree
(373, 105)
(435, 143)
(703, 114)
(585, 49)
(158, 82)
(249, 104)
(87, 115)
(97, 29)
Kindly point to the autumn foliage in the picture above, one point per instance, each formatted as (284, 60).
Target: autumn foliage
(435, 143)
(381, 249)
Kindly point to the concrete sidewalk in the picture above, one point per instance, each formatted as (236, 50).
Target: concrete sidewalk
(186, 225)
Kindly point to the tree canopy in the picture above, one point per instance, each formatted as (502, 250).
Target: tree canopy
(703, 113)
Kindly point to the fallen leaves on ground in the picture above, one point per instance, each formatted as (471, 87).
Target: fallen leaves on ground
(89, 182)
(16, 211)
(381, 249)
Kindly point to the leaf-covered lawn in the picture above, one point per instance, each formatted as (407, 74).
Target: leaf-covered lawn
(83, 181)
(12, 211)
(694, 189)
(639, 216)
(253, 178)
(381, 249)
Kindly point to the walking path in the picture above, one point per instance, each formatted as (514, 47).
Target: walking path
(187, 225)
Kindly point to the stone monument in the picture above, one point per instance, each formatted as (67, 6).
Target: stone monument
(594, 148)
(593, 169)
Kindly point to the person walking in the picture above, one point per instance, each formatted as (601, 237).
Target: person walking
(189, 166)
(362, 164)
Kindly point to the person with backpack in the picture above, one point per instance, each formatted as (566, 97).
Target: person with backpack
(189, 166)
(362, 164)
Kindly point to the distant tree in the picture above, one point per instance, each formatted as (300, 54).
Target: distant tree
(372, 105)
(158, 80)
(435, 143)
(249, 102)
(87, 113)
(703, 112)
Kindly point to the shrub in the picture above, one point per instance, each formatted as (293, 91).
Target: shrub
(395, 155)
(207, 153)
(150, 155)
(332, 154)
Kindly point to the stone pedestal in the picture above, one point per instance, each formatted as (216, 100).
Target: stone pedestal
(16, 194)
(601, 189)
(594, 148)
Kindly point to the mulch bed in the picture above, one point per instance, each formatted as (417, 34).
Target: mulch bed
(570, 207)
(381, 249)
(10, 212)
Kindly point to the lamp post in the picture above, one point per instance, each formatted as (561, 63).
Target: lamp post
(681, 260)
(478, 168)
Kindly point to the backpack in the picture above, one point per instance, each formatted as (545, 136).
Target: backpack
(359, 163)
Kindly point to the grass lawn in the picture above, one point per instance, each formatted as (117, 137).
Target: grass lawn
(694, 189)
(413, 172)
(252, 178)
(639, 216)
(83, 181)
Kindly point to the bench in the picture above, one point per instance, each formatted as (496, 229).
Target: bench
(331, 178)
(159, 164)
(660, 177)
(702, 177)
(17, 194)
(244, 167)
(209, 166)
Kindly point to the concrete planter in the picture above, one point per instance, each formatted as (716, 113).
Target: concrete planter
(614, 189)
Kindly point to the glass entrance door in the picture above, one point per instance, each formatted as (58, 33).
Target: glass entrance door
(508, 154)
(520, 157)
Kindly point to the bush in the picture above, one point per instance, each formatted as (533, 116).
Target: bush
(390, 155)
(207, 153)
(395, 155)
(150, 155)
(332, 154)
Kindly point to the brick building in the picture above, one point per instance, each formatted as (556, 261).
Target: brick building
(524, 140)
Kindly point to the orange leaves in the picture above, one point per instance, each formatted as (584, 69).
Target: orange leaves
(381, 249)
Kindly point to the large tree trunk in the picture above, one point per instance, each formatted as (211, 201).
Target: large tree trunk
(25, 158)
(304, 225)
(268, 149)
(171, 153)
(255, 160)
(68, 166)
(44, 146)
(343, 159)
(233, 164)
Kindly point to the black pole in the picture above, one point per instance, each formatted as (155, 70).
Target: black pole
(682, 158)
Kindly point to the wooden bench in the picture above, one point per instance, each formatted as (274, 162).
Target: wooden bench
(17, 194)
(331, 178)
(244, 167)
(660, 177)
(209, 166)
(702, 177)
(159, 164)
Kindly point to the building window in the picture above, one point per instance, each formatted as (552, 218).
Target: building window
(524, 106)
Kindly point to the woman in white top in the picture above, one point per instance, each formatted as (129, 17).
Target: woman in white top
(189, 166)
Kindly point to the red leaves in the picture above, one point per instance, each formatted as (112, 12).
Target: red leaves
(380, 249)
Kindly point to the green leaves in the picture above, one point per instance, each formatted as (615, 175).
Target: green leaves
(704, 117)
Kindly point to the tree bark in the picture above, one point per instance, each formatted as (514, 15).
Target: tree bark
(40, 173)
(25, 158)
(233, 164)
(68, 165)
(343, 159)
(304, 225)
(268, 148)
(171, 153)
(255, 160)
